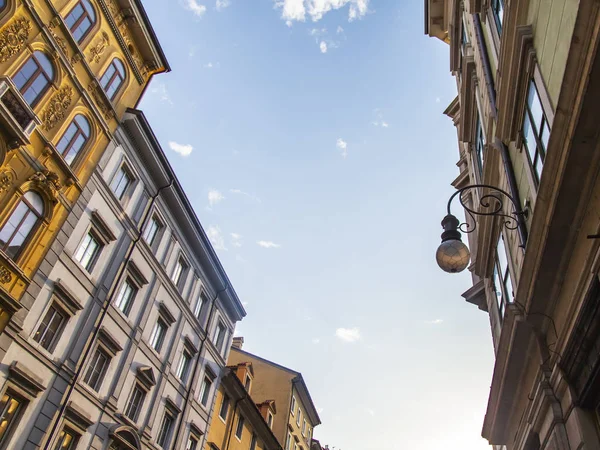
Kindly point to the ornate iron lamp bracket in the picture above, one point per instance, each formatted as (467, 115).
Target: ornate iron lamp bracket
(492, 204)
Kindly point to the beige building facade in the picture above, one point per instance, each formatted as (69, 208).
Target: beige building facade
(125, 344)
(528, 79)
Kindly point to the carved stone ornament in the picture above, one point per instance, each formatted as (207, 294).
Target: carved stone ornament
(47, 181)
(13, 38)
(5, 275)
(98, 49)
(94, 89)
(6, 180)
(61, 42)
(56, 110)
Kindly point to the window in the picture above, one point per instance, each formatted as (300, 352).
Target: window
(152, 230)
(502, 279)
(205, 390)
(113, 78)
(158, 334)
(479, 146)
(88, 251)
(74, 139)
(199, 305)
(125, 297)
(121, 182)
(165, 430)
(536, 131)
(80, 19)
(179, 273)
(22, 221)
(67, 440)
(224, 407)
(35, 77)
(308, 431)
(293, 408)
(253, 442)
(498, 12)
(51, 327)
(136, 400)
(247, 383)
(304, 428)
(219, 336)
(299, 417)
(10, 412)
(97, 369)
(184, 366)
(270, 419)
(240, 427)
(288, 441)
(192, 443)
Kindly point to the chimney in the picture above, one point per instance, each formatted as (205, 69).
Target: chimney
(238, 342)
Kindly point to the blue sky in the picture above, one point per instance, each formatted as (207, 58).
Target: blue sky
(318, 159)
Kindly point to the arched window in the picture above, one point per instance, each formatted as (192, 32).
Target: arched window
(2, 4)
(22, 221)
(74, 139)
(113, 78)
(34, 77)
(80, 19)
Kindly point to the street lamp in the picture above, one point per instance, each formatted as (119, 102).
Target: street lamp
(453, 255)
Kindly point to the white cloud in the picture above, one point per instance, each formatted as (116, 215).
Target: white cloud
(370, 412)
(211, 65)
(195, 7)
(348, 334)
(288, 23)
(323, 47)
(236, 240)
(434, 322)
(379, 121)
(342, 146)
(215, 197)
(268, 244)
(216, 237)
(245, 194)
(160, 90)
(437, 100)
(296, 10)
(316, 340)
(339, 30)
(182, 149)
(222, 4)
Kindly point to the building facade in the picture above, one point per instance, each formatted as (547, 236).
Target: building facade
(528, 74)
(68, 71)
(294, 424)
(238, 422)
(126, 341)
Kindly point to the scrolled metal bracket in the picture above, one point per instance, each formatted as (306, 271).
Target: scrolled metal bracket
(492, 204)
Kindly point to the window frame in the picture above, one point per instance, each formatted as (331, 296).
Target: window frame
(179, 277)
(69, 146)
(40, 216)
(124, 168)
(113, 77)
(225, 403)
(134, 289)
(91, 263)
(34, 76)
(540, 146)
(153, 243)
(497, 10)
(80, 19)
(216, 335)
(58, 444)
(205, 389)
(15, 418)
(184, 364)
(253, 441)
(502, 275)
(101, 375)
(240, 427)
(299, 416)
(137, 388)
(65, 316)
(293, 406)
(159, 319)
(192, 442)
(163, 439)
(270, 419)
(479, 146)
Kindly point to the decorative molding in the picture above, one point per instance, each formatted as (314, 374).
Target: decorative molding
(5, 275)
(25, 379)
(109, 341)
(145, 375)
(48, 182)
(103, 229)
(6, 180)
(78, 417)
(67, 297)
(99, 98)
(61, 42)
(13, 38)
(166, 314)
(99, 48)
(57, 108)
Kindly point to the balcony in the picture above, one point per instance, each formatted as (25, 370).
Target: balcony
(16, 115)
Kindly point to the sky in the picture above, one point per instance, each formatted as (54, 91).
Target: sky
(310, 139)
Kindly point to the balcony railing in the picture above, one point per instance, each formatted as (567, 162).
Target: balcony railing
(15, 113)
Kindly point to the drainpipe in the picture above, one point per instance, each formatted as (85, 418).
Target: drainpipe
(104, 312)
(508, 167)
(197, 366)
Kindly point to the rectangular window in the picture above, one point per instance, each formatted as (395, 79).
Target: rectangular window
(288, 442)
(179, 273)
(270, 419)
(536, 131)
(164, 436)
(253, 442)
(125, 297)
(479, 146)
(304, 428)
(240, 427)
(10, 414)
(293, 408)
(219, 336)
(224, 407)
(49, 331)
(184, 366)
(299, 416)
(498, 12)
(96, 370)
(157, 336)
(67, 440)
(247, 383)
(88, 251)
(152, 230)
(121, 182)
(192, 443)
(136, 400)
(205, 390)
(502, 279)
(200, 305)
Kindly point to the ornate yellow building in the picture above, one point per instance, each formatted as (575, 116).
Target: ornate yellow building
(68, 71)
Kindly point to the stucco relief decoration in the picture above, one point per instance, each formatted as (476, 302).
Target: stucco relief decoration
(62, 43)
(98, 49)
(5, 275)
(57, 108)
(6, 180)
(13, 38)
(94, 89)
(47, 181)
